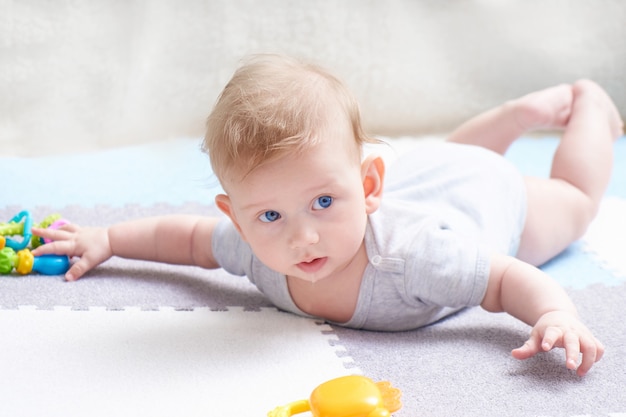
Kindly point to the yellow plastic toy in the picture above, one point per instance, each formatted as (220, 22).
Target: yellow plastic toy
(348, 396)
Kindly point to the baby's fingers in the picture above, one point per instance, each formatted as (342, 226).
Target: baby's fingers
(51, 235)
(529, 349)
(555, 337)
(575, 346)
(57, 247)
(571, 344)
(592, 352)
(78, 269)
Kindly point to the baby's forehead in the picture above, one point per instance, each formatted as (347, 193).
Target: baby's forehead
(325, 155)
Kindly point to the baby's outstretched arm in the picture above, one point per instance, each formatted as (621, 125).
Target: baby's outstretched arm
(168, 239)
(532, 296)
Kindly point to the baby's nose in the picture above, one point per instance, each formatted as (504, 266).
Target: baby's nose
(303, 234)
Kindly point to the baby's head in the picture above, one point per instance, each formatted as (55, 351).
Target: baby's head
(272, 107)
(285, 142)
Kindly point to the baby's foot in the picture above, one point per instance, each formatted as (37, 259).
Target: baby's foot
(544, 109)
(587, 92)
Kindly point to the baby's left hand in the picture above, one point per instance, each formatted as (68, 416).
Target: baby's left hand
(564, 330)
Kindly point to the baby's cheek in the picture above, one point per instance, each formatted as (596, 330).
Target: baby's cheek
(270, 255)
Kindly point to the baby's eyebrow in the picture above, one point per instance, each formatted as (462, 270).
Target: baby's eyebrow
(321, 187)
(259, 205)
(254, 206)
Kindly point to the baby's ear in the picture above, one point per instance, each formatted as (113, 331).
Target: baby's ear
(373, 174)
(225, 205)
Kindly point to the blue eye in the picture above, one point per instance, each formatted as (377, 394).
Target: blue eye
(269, 216)
(323, 202)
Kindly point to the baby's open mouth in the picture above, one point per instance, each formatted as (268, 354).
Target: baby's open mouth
(313, 265)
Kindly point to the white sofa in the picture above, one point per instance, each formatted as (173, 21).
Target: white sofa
(77, 76)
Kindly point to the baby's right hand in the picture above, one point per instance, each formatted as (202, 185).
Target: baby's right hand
(563, 329)
(90, 244)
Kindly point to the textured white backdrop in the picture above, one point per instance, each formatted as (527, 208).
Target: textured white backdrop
(606, 236)
(87, 75)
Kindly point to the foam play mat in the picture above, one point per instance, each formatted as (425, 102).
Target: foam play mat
(130, 362)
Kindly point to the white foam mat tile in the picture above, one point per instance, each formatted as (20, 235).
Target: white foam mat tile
(606, 237)
(160, 363)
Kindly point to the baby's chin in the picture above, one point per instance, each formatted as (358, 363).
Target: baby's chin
(310, 278)
(315, 279)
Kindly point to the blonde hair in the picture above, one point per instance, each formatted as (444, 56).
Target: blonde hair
(272, 106)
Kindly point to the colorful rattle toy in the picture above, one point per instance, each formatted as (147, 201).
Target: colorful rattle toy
(15, 253)
(348, 396)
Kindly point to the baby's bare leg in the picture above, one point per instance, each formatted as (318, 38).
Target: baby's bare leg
(497, 128)
(560, 208)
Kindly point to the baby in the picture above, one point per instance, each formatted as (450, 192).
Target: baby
(306, 221)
